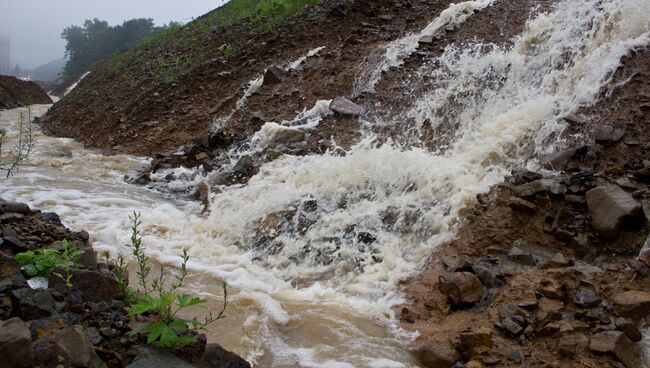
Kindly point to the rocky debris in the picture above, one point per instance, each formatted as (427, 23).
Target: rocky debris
(95, 286)
(243, 166)
(15, 343)
(16, 92)
(217, 357)
(436, 354)
(586, 298)
(33, 304)
(73, 346)
(478, 337)
(608, 134)
(461, 288)
(522, 205)
(610, 206)
(13, 207)
(571, 345)
(629, 328)
(274, 75)
(615, 343)
(633, 304)
(540, 186)
(521, 256)
(644, 253)
(343, 106)
(557, 261)
(151, 357)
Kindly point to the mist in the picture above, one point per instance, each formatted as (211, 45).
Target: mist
(35, 26)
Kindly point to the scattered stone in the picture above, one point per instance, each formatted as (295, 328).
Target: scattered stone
(343, 106)
(522, 205)
(608, 134)
(633, 304)
(15, 344)
(479, 337)
(550, 329)
(540, 186)
(586, 298)
(14, 207)
(557, 261)
(33, 304)
(510, 326)
(150, 357)
(95, 286)
(486, 272)
(244, 166)
(616, 344)
(217, 357)
(426, 40)
(610, 207)
(520, 256)
(436, 354)
(629, 328)
(274, 75)
(461, 288)
(644, 253)
(571, 345)
(74, 347)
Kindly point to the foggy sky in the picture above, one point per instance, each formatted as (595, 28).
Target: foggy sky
(35, 26)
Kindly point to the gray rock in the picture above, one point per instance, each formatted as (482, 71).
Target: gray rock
(644, 253)
(629, 328)
(570, 345)
(217, 357)
(540, 186)
(73, 345)
(244, 165)
(15, 344)
(461, 288)
(33, 304)
(610, 206)
(151, 357)
(616, 344)
(521, 256)
(95, 286)
(607, 134)
(14, 207)
(343, 106)
(274, 75)
(586, 298)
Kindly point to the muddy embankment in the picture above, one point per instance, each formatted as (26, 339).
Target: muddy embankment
(15, 93)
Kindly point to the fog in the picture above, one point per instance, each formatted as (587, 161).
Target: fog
(34, 26)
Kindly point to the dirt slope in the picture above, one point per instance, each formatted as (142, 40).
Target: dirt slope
(15, 93)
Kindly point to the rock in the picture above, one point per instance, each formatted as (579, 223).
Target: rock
(522, 205)
(274, 75)
(63, 152)
(479, 337)
(217, 357)
(607, 134)
(586, 298)
(571, 345)
(550, 329)
(461, 288)
(32, 304)
(74, 347)
(142, 179)
(201, 156)
(644, 253)
(486, 272)
(150, 357)
(426, 40)
(510, 326)
(14, 207)
(610, 206)
(521, 256)
(343, 106)
(559, 160)
(633, 304)
(95, 286)
(244, 165)
(15, 344)
(540, 186)
(437, 354)
(51, 217)
(616, 344)
(557, 261)
(629, 328)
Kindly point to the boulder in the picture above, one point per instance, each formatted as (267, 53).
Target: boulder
(610, 207)
(150, 357)
(95, 286)
(274, 75)
(616, 344)
(32, 304)
(586, 298)
(629, 328)
(570, 345)
(217, 357)
(461, 288)
(633, 304)
(343, 106)
(14, 207)
(73, 346)
(607, 134)
(436, 354)
(15, 344)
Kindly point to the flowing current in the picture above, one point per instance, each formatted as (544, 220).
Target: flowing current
(313, 247)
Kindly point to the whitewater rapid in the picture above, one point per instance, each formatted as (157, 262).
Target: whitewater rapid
(318, 290)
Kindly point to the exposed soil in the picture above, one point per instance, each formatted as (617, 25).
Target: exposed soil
(15, 93)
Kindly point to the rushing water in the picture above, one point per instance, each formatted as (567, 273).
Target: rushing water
(317, 289)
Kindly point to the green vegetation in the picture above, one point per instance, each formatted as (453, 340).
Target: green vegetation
(177, 50)
(165, 301)
(41, 261)
(10, 162)
(96, 41)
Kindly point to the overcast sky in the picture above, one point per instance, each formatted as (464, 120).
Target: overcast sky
(35, 26)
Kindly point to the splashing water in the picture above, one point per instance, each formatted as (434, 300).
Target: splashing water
(74, 85)
(313, 247)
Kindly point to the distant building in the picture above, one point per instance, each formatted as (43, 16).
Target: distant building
(5, 56)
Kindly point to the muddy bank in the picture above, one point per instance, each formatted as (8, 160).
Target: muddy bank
(15, 93)
(80, 321)
(551, 270)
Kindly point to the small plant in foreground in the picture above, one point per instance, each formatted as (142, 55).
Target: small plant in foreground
(41, 261)
(9, 163)
(170, 330)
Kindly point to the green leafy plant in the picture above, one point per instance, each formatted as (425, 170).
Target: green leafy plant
(41, 261)
(165, 301)
(24, 146)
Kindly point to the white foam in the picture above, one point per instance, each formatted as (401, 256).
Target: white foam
(74, 85)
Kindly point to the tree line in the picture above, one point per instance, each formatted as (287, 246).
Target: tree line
(97, 40)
